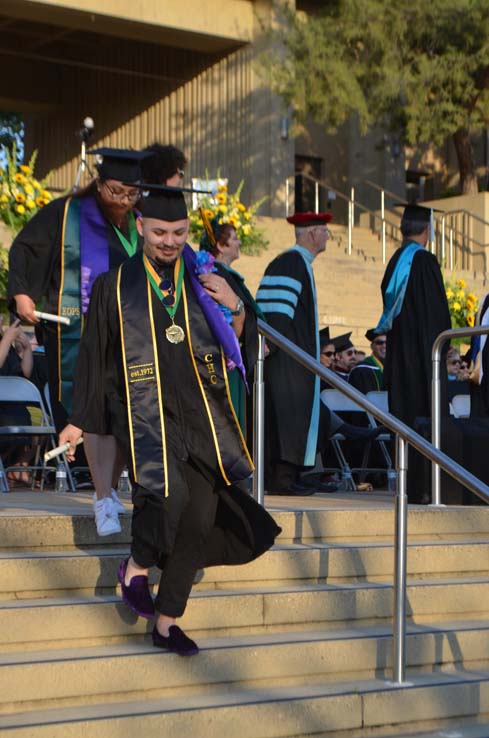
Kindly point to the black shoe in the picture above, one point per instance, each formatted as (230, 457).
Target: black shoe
(316, 484)
(176, 642)
(357, 433)
(295, 490)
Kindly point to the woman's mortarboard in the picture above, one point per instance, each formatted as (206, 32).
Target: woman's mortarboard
(123, 165)
(324, 337)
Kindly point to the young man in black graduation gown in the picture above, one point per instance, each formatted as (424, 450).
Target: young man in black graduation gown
(411, 331)
(287, 297)
(152, 370)
(56, 258)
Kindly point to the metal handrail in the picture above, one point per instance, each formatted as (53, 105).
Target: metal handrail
(404, 435)
(440, 340)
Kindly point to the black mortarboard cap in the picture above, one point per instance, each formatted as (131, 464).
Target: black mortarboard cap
(324, 337)
(371, 335)
(124, 165)
(342, 343)
(163, 202)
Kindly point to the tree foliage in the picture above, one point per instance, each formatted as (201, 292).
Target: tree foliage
(420, 69)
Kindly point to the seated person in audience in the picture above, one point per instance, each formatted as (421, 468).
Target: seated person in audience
(368, 376)
(345, 357)
(360, 355)
(15, 361)
(326, 352)
(458, 383)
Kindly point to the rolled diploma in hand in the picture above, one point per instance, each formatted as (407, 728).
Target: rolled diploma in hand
(60, 450)
(51, 317)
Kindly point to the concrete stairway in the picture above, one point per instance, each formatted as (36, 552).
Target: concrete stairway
(297, 643)
(348, 285)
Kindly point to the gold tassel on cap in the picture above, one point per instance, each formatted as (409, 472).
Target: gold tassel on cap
(208, 227)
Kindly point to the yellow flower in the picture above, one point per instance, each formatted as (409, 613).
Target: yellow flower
(470, 320)
(221, 198)
(39, 201)
(460, 295)
(20, 197)
(24, 168)
(472, 297)
(36, 184)
(222, 208)
(45, 201)
(247, 215)
(449, 293)
(240, 206)
(20, 209)
(456, 306)
(233, 222)
(30, 204)
(19, 178)
(28, 189)
(246, 230)
(461, 283)
(3, 198)
(470, 305)
(46, 194)
(209, 213)
(222, 188)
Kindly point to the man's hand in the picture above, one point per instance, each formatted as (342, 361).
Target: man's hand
(70, 434)
(25, 307)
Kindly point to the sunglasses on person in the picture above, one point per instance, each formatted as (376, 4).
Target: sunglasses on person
(327, 353)
(380, 342)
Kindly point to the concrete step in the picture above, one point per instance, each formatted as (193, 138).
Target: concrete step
(80, 675)
(59, 622)
(66, 522)
(47, 573)
(270, 712)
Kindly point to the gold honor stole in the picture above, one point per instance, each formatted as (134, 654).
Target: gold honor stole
(144, 391)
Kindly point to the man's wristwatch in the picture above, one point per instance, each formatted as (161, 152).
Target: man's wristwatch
(239, 307)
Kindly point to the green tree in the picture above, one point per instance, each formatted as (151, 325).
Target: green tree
(420, 69)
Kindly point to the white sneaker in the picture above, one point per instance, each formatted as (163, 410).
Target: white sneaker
(106, 517)
(118, 505)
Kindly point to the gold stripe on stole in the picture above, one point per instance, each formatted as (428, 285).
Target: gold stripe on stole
(211, 422)
(60, 293)
(238, 426)
(126, 378)
(158, 384)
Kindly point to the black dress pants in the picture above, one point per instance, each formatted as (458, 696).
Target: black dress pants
(180, 565)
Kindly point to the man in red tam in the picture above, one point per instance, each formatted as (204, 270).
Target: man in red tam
(287, 297)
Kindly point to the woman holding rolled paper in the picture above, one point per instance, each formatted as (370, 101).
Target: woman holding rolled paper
(54, 262)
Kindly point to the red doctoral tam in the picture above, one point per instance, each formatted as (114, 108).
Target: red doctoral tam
(309, 219)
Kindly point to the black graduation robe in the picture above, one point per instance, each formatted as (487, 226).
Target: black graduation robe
(35, 270)
(367, 376)
(479, 393)
(243, 529)
(408, 367)
(286, 296)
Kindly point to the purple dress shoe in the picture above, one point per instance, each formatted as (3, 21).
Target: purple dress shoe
(176, 642)
(136, 594)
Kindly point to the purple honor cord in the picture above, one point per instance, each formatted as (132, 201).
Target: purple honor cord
(217, 321)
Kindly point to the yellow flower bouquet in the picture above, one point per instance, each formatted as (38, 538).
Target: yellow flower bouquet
(21, 195)
(229, 208)
(461, 303)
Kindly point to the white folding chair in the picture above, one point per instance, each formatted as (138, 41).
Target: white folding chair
(460, 406)
(22, 391)
(339, 403)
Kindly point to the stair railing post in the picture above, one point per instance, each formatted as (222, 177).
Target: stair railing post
(287, 195)
(435, 421)
(451, 249)
(259, 425)
(400, 553)
(316, 197)
(351, 214)
(443, 239)
(382, 215)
